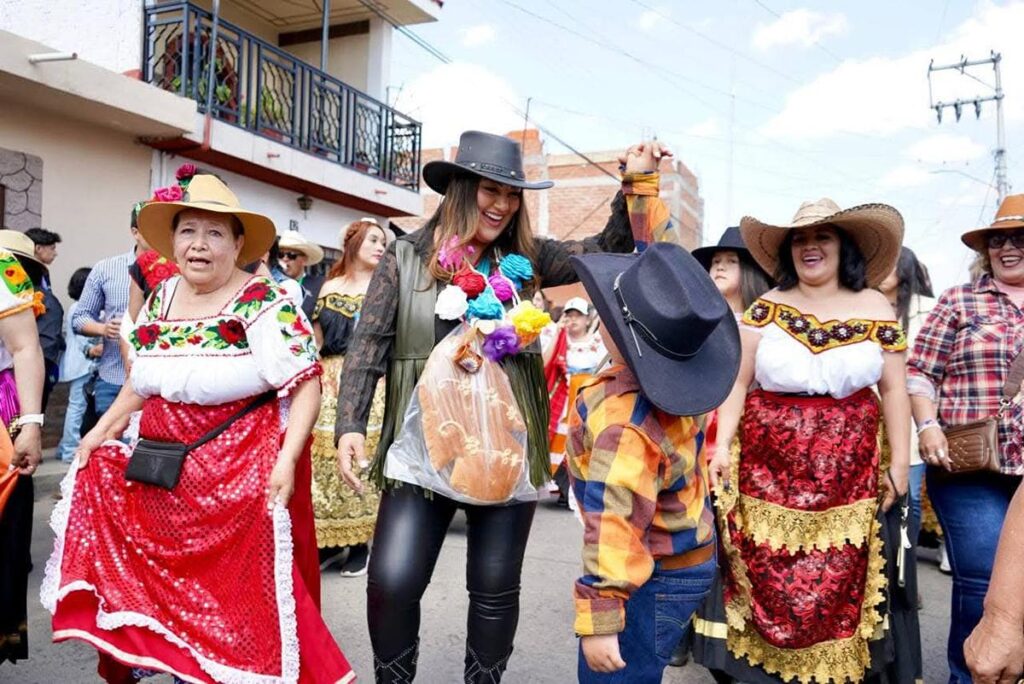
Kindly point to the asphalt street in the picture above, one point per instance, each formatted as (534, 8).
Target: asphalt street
(545, 646)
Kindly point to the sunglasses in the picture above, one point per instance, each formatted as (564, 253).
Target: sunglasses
(291, 256)
(997, 240)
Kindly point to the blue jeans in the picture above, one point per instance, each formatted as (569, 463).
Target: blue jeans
(657, 618)
(105, 394)
(916, 480)
(971, 508)
(73, 419)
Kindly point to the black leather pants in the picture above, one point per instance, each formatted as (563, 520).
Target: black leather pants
(410, 531)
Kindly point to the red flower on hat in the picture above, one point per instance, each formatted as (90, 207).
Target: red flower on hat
(186, 171)
(470, 282)
(172, 193)
(231, 331)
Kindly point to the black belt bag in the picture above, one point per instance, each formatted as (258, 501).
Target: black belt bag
(160, 463)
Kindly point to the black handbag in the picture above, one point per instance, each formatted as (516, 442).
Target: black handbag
(91, 416)
(160, 463)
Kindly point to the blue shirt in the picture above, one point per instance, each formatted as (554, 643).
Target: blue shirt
(105, 297)
(74, 363)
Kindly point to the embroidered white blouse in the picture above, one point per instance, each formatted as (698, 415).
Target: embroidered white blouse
(259, 341)
(16, 295)
(798, 354)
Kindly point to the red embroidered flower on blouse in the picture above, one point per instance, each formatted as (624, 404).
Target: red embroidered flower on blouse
(257, 292)
(231, 331)
(147, 334)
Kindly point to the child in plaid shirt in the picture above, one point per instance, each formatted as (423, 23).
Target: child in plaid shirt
(635, 438)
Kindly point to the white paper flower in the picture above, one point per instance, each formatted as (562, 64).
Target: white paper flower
(451, 303)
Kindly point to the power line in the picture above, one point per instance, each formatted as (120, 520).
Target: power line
(817, 44)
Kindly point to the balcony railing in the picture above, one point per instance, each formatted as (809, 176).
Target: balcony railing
(271, 93)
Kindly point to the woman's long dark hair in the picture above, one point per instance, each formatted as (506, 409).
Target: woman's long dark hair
(852, 267)
(913, 280)
(754, 282)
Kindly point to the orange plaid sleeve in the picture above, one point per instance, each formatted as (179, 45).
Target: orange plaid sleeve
(648, 215)
(625, 474)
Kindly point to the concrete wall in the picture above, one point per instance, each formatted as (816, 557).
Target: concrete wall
(321, 224)
(347, 58)
(91, 178)
(74, 25)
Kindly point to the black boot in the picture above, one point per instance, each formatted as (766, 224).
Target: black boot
(478, 673)
(400, 670)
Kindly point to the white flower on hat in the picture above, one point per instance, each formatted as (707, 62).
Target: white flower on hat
(451, 303)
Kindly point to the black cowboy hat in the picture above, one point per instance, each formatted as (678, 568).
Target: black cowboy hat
(670, 323)
(731, 241)
(486, 155)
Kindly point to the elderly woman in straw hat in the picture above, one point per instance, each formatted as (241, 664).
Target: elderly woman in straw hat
(805, 584)
(957, 372)
(344, 519)
(191, 552)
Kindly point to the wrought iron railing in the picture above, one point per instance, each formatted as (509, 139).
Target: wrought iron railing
(272, 93)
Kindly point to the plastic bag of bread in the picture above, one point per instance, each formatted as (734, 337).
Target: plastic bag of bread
(463, 435)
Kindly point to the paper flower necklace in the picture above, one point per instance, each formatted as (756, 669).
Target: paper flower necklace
(480, 299)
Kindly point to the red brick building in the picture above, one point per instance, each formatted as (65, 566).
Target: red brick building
(577, 206)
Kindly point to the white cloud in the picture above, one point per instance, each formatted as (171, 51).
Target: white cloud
(478, 35)
(883, 95)
(943, 148)
(800, 27)
(906, 176)
(705, 129)
(452, 98)
(651, 19)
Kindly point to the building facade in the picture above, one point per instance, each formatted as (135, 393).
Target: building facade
(103, 101)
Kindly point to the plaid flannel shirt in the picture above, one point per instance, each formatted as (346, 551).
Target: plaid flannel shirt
(641, 489)
(961, 357)
(648, 214)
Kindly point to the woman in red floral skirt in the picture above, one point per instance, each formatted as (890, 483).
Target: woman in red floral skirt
(211, 576)
(805, 582)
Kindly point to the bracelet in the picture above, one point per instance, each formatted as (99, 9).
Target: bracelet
(925, 424)
(31, 419)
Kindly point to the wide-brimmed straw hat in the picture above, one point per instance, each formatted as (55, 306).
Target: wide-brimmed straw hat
(208, 193)
(1009, 216)
(877, 229)
(486, 155)
(294, 241)
(670, 323)
(19, 244)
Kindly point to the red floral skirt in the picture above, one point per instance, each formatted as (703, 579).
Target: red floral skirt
(805, 574)
(200, 581)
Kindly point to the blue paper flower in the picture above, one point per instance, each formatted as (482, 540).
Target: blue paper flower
(486, 306)
(516, 268)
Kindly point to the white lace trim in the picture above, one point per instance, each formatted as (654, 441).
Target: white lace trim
(51, 593)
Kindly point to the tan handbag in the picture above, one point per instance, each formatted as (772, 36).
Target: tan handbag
(975, 446)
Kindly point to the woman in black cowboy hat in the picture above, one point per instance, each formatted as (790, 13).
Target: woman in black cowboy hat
(737, 276)
(482, 215)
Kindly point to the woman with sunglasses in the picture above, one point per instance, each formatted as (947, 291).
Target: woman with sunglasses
(956, 373)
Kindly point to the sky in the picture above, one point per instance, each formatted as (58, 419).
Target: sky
(769, 102)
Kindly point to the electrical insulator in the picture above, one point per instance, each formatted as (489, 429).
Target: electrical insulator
(958, 108)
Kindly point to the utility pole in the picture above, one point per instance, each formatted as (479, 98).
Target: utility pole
(999, 154)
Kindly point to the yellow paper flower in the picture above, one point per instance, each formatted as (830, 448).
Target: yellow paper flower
(528, 321)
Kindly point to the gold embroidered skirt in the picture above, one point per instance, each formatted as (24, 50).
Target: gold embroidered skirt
(343, 518)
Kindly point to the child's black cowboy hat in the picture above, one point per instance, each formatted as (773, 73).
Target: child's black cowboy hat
(731, 241)
(486, 155)
(670, 323)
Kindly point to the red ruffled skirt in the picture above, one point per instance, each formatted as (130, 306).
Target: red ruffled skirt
(201, 581)
(805, 574)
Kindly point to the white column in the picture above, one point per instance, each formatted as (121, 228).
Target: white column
(378, 58)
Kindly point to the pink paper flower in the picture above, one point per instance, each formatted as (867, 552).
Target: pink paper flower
(172, 193)
(451, 256)
(504, 290)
